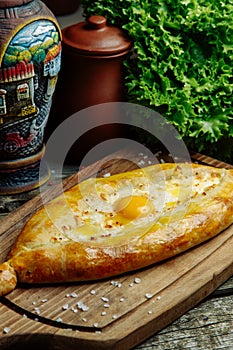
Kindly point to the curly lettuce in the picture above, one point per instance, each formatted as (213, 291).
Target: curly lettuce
(183, 64)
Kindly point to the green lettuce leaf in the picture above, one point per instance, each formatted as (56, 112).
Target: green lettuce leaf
(182, 63)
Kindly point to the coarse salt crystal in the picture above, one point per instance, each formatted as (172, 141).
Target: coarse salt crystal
(116, 283)
(122, 299)
(106, 305)
(65, 307)
(148, 295)
(84, 308)
(104, 313)
(59, 319)
(107, 175)
(137, 280)
(93, 292)
(6, 330)
(105, 299)
(80, 304)
(37, 310)
(96, 324)
(74, 295)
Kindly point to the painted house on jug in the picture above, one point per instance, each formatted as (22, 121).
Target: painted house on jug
(52, 65)
(17, 92)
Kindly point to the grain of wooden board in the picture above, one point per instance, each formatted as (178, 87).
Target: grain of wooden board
(116, 313)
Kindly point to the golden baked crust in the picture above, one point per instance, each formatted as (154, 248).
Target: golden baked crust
(108, 226)
(8, 278)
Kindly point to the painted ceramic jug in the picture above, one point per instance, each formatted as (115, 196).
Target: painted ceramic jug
(30, 56)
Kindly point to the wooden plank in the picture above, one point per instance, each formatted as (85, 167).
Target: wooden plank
(201, 158)
(116, 313)
(209, 326)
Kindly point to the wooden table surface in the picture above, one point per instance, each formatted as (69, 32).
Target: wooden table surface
(209, 325)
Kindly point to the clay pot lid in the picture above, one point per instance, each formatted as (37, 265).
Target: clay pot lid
(13, 3)
(95, 37)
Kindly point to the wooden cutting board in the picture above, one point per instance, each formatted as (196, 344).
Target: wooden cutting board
(117, 313)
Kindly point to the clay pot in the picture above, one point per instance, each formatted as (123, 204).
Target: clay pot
(92, 72)
(30, 55)
(62, 7)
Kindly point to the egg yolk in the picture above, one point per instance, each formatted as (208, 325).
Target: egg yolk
(132, 207)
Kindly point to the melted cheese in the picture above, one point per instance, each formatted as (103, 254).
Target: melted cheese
(123, 204)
